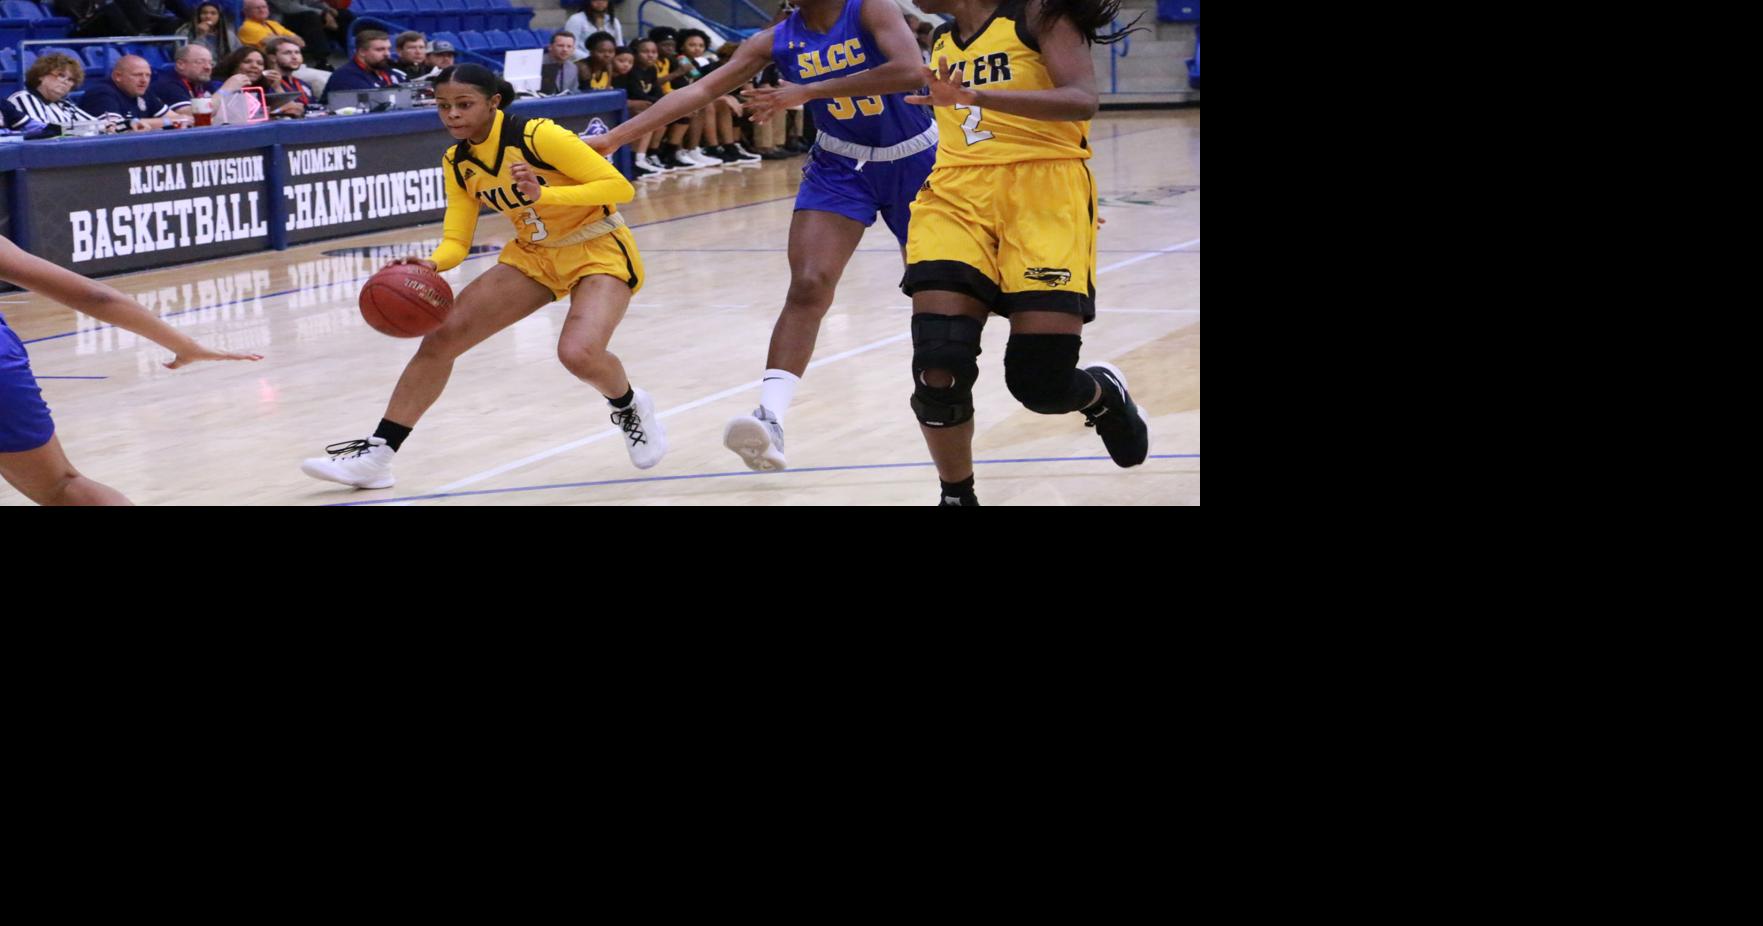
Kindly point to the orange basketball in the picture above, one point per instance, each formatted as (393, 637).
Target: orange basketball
(406, 300)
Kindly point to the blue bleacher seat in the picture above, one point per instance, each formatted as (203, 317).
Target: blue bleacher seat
(524, 38)
(362, 7)
(544, 36)
(52, 25)
(452, 17)
(154, 54)
(1194, 62)
(521, 16)
(473, 41)
(94, 58)
(1178, 11)
(498, 40)
(14, 31)
(9, 69)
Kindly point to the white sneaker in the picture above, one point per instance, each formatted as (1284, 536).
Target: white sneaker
(644, 436)
(364, 464)
(745, 154)
(698, 157)
(759, 440)
(649, 162)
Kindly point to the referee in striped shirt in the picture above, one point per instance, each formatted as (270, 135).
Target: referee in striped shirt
(47, 83)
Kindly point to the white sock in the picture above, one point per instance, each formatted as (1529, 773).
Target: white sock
(777, 391)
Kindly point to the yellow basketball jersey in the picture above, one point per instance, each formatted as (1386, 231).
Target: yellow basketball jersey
(601, 81)
(1003, 57)
(483, 171)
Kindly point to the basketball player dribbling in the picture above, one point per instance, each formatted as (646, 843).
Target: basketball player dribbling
(572, 244)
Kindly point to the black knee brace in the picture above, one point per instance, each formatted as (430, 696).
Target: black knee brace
(1041, 371)
(949, 344)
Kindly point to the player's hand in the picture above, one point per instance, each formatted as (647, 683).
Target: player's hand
(526, 181)
(414, 260)
(945, 88)
(196, 353)
(765, 102)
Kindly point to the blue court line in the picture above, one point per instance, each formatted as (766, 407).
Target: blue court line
(72, 377)
(691, 215)
(744, 472)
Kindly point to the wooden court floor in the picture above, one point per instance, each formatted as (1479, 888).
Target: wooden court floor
(514, 428)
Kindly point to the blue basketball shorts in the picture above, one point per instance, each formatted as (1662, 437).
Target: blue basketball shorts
(24, 418)
(834, 183)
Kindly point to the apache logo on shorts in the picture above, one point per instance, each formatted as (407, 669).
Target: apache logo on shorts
(596, 127)
(1052, 276)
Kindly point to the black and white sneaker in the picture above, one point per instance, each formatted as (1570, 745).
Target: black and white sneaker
(644, 436)
(741, 153)
(364, 464)
(1124, 426)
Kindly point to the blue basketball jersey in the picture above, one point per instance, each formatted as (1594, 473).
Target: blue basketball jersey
(804, 56)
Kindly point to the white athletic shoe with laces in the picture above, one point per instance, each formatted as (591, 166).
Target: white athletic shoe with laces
(644, 436)
(364, 464)
(758, 439)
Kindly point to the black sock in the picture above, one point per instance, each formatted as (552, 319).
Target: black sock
(393, 432)
(962, 489)
(623, 401)
(1107, 397)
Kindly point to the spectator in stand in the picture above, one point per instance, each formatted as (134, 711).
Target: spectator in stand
(370, 69)
(285, 60)
(129, 96)
(210, 28)
(595, 16)
(440, 58)
(102, 18)
(717, 134)
(413, 47)
(248, 67)
(601, 50)
(562, 73)
(258, 26)
(189, 79)
(641, 89)
(47, 82)
(324, 28)
(679, 149)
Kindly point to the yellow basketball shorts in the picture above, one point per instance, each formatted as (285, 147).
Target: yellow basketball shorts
(559, 269)
(1014, 236)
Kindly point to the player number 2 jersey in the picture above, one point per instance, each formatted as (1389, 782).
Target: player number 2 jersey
(1003, 57)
